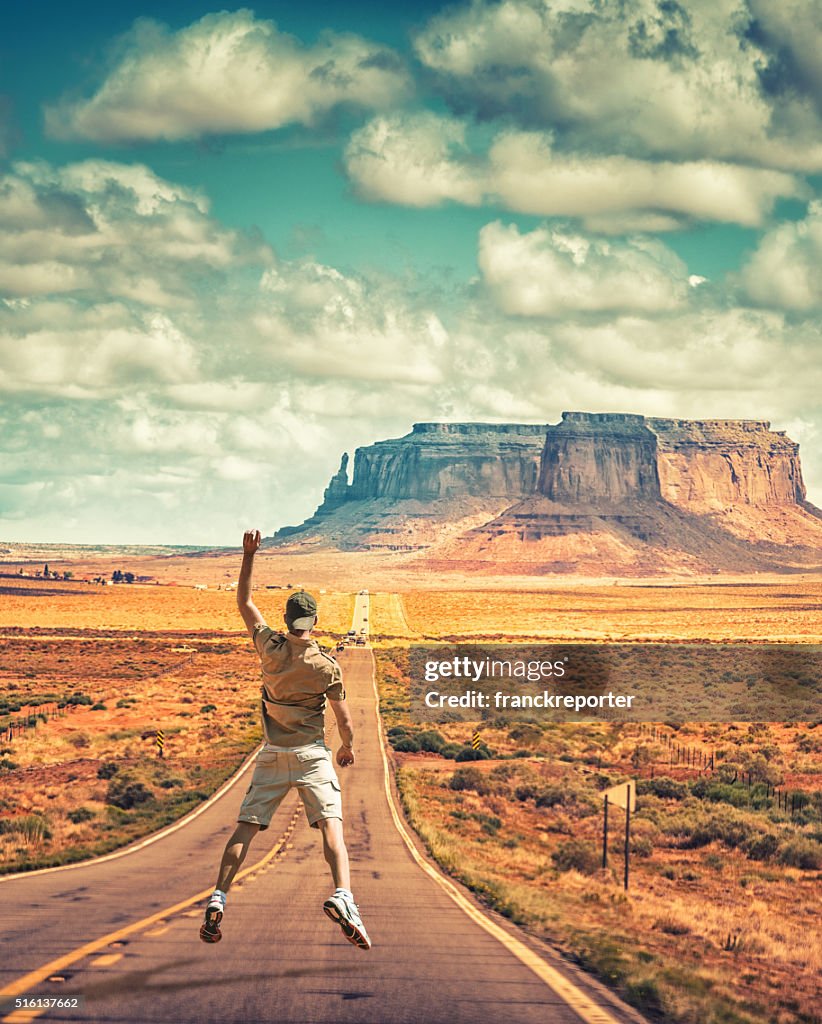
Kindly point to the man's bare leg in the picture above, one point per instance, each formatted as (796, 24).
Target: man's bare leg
(335, 852)
(340, 906)
(235, 852)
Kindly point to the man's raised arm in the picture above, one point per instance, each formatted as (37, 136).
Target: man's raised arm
(249, 611)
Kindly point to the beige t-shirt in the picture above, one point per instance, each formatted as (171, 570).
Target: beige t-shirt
(297, 678)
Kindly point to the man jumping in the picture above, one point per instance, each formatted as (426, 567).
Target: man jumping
(298, 677)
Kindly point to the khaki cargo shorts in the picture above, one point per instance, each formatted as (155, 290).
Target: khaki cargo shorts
(310, 769)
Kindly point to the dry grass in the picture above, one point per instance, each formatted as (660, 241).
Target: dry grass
(779, 611)
(388, 621)
(33, 603)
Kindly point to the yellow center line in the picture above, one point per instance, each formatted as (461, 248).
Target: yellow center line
(40, 974)
(106, 959)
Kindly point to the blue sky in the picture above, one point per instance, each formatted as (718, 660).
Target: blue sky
(238, 242)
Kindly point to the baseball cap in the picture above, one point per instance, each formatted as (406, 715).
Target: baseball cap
(300, 610)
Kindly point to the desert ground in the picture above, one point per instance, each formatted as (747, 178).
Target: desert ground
(718, 924)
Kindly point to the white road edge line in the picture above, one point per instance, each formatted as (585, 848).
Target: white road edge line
(585, 1008)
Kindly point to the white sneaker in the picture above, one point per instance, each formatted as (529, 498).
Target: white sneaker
(210, 928)
(346, 914)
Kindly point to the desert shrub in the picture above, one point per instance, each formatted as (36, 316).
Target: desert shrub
(576, 855)
(208, 707)
(801, 852)
(406, 744)
(32, 827)
(107, 770)
(490, 823)
(550, 796)
(470, 778)
(525, 732)
(430, 740)
(80, 814)
(699, 827)
(450, 751)
(663, 786)
(397, 730)
(99, 706)
(643, 836)
(809, 744)
(467, 753)
(6, 764)
(729, 831)
(728, 771)
(527, 791)
(171, 783)
(762, 769)
(721, 792)
(761, 847)
(671, 925)
(126, 792)
(79, 698)
(645, 994)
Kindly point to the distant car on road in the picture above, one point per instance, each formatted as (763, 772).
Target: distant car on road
(360, 641)
(340, 647)
(364, 593)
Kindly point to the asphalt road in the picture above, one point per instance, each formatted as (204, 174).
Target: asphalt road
(281, 959)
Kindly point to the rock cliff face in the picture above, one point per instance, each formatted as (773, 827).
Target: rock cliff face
(594, 493)
(336, 493)
(599, 457)
(444, 460)
(706, 465)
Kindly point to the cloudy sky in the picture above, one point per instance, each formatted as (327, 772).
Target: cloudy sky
(234, 243)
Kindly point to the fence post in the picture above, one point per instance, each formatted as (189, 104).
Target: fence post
(605, 835)
(627, 834)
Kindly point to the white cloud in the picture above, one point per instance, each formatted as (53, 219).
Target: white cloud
(420, 160)
(119, 275)
(60, 349)
(325, 324)
(784, 271)
(530, 177)
(792, 29)
(691, 81)
(423, 160)
(110, 228)
(229, 72)
(548, 273)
